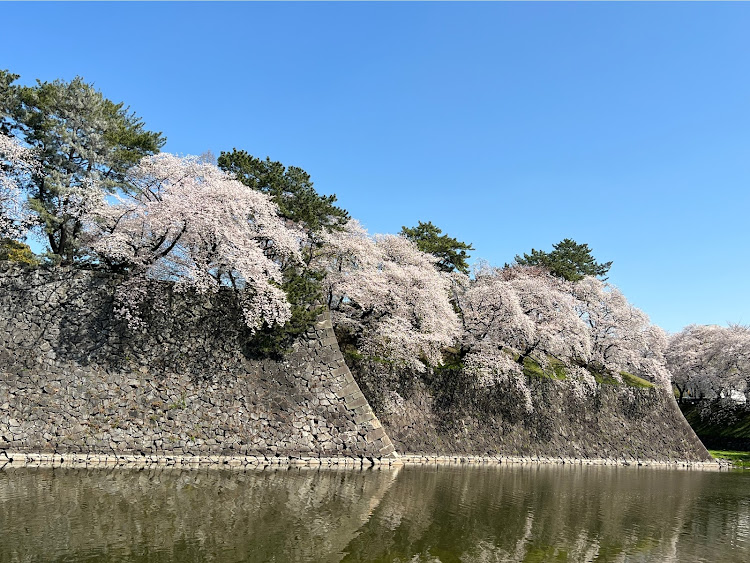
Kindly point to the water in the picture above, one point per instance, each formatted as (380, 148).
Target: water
(415, 514)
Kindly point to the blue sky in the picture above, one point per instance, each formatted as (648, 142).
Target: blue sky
(509, 125)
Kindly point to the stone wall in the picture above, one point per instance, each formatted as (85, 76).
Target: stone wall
(720, 426)
(446, 413)
(76, 379)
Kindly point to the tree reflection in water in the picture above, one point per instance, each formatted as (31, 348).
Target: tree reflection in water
(475, 513)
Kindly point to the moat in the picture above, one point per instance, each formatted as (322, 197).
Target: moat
(438, 513)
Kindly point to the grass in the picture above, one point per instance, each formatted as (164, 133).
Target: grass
(635, 381)
(556, 370)
(738, 459)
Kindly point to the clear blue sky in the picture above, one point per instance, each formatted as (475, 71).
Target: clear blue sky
(511, 126)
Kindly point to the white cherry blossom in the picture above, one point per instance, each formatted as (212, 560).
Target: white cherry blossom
(188, 222)
(390, 295)
(16, 162)
(710, 360)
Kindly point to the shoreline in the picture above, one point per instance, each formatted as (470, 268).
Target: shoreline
(82, 461)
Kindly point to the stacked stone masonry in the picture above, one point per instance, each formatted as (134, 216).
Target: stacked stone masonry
(75, 379)
(616, 423)
(78, 385)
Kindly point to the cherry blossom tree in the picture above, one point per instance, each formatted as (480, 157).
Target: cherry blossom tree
(388, 295)
(548, 303)
(621, 335)
(525, 312)
(186, 221)
(301, 206)
(511, 314)
(650, 362)
(16, 162)
(710, 360)
(493, 324)
(491, 311)
(519, 313)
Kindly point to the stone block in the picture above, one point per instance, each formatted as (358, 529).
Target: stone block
(349, 389)
(374, 434)
(356, 401)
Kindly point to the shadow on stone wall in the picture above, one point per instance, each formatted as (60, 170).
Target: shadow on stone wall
(76, 378)
(445, 411)
(71, 313)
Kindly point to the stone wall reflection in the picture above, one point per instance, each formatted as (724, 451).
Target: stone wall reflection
(271, 515)
(447, 514)
(551, 513)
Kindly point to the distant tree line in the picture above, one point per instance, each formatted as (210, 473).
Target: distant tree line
(711, 363)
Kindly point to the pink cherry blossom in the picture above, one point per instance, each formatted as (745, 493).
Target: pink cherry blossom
(388, 293)
(16, 162)
(622, 337)
(710, 360)
(187, 221)
(524, 312)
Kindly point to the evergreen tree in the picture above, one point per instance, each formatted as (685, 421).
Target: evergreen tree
(15, 251)
(450, 251)
(84, 144)
(292, 190)
(568, 260)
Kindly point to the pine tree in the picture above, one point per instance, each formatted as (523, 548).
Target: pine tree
(299, 203)
(450, 251)
(568, 260)
(84, 144)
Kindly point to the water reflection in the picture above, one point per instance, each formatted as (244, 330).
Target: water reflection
(550, 513)
(519, 513)
(97, 515)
